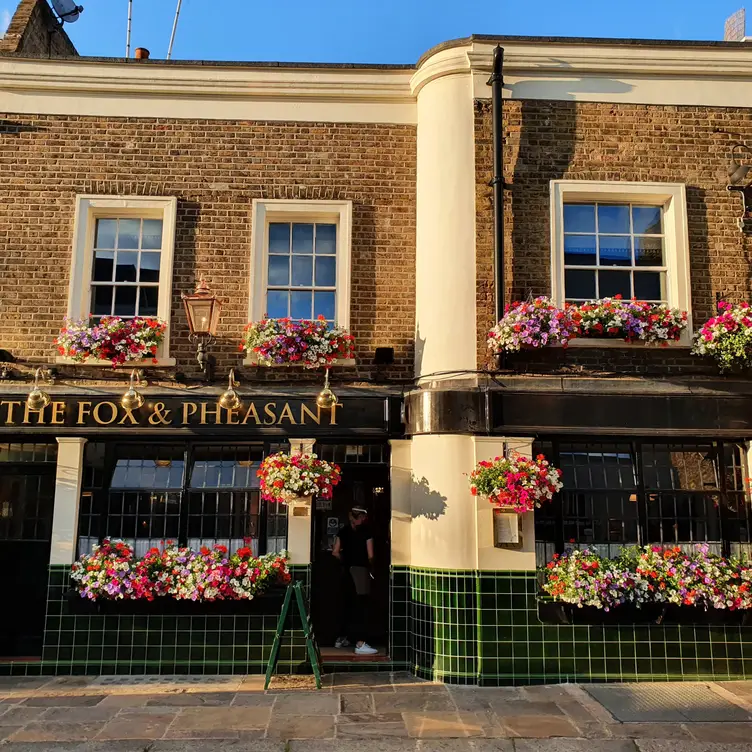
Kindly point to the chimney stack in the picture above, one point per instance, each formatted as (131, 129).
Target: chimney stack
(142, 53)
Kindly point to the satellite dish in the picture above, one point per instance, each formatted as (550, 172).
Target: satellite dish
(735, 28)
(67, 10)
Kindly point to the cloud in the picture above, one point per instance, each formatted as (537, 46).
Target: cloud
(4, 21)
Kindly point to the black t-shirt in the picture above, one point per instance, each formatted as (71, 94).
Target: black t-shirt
(354, 548)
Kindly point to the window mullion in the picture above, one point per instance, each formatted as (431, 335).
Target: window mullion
(642, 500)
(184, 495)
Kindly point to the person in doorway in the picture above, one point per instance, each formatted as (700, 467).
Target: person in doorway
(354, 548)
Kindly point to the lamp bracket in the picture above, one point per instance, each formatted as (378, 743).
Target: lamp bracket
(204, 359)
(745, 194)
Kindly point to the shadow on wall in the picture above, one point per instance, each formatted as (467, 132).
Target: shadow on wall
(420, 345)
(425, 502)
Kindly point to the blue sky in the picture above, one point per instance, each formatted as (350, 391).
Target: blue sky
(379, 31)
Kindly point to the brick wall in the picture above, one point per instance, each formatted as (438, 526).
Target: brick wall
(592, 141)
(215, 168)
(34, 31)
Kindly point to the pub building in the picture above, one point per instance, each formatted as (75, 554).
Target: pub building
(408, 204)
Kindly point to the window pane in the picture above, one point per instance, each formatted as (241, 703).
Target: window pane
(152, 234)
(300, 304)
(150, 267)
(650, 285)
(326, 271)
(615, 250)
(279, 270)
(148, 299)
(302, 238)
(579, 218)
(105, 233)
(279, 237)
(125, 301)
(276, 304)
(614, 283)
(101, 300)
(326, 239)
(128, 233)
(579, 250)
(323, 305)
(648, 251)
(302, 271)
(579, 284)
(104, 263)
(613, 218)
(127, 264)
(647, 220)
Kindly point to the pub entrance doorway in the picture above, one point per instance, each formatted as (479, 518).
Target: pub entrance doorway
(27, 497)
(365, 482)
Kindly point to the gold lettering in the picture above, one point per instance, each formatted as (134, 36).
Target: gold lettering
(252, 413)
(84, 409)
(9, 415)
(160, 416)
(287, 413)
(269, 409)
(216, 412)
(58, 414)
(113, 413)
(230, 415)
(27, 415)
(333, 421)
(128, 416)
(189, 408)
(315, 417)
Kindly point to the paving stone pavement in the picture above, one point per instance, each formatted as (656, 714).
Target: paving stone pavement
(378, 712)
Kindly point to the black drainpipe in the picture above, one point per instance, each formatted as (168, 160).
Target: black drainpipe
(497, 113)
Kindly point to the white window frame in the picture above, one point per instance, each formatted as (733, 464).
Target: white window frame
(672, 197)
(265, 211)
(88, 210)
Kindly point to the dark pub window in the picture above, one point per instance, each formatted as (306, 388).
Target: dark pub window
(621, 493)
(193, 494)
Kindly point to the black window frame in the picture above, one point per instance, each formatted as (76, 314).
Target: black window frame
(550, 520)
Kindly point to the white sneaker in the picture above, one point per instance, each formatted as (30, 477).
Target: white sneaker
(342, 642)
(365, 649)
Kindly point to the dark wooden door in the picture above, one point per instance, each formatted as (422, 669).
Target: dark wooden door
(360, 485)
(26, 504)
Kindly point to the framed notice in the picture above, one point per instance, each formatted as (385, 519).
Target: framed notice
(507, 529)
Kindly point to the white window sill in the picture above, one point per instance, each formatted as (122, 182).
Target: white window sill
(94, 363)
(613, 343)
(253, 360)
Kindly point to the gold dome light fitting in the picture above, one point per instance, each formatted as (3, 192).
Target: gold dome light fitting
(38, 399)
(132, 399)
(230, 399)
(327, 399)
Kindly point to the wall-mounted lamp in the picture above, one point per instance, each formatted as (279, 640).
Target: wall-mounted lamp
(738, 171)
(327, 398)
(230, 399)
(202, 309)
(133, 399)
(38, 399)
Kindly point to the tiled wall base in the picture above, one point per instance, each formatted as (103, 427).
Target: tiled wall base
(127, 644)
(483, 628)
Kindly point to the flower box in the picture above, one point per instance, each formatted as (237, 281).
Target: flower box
(266, 603)
(311, 344)
(114, 341)
(539, 323)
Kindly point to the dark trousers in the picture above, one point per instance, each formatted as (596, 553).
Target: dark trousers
(354, 610)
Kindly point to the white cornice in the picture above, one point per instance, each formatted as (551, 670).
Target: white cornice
(101, 88)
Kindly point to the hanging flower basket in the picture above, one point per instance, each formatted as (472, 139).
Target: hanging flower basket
(111, 572)
(727, 337)
(288, 478)
(312, 344)
(113, 339)
(516, 483)
(534, 324)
